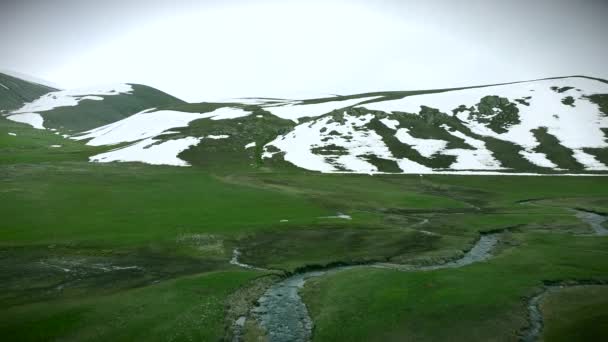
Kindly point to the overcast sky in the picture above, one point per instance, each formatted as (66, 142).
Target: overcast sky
(209, 50)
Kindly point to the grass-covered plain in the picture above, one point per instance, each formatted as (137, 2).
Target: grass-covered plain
(131, 251)
(481, 302)
(576, 314)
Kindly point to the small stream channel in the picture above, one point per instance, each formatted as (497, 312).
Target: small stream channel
(534, 331)
(594, 220)
(284, 316)
(535, 316)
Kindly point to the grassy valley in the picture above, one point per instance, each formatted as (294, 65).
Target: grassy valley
(128, 251)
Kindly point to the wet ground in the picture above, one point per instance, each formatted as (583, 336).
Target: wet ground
(594, 220)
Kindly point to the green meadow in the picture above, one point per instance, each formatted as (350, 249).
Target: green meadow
(127, 251)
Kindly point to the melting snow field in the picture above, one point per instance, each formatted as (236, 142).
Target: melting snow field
(326, 133)
(28, 113)
(576, 126)
(349, 145)
(328, 146)
(150, 151)
(478, 159)
(66, 98)
(138, 126)
(147, 124)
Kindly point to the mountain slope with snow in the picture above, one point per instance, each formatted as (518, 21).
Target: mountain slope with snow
(505, 127)
(75, 110)
(548, 126)
(14, 91)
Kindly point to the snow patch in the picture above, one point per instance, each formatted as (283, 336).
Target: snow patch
(13, 134)
(225, 113)
(355, 163)
(589, 161)
(478, 159)
(216, 137)
(55, 146)
(138, 126)
(347, 145)
(538, 159)
(33, 119)
(426, 147)
(150, 151)
(410, 166)
(3, 86)
(339, 216)
(390, 123)
(93, 98)
(70, 98)
(251, 144)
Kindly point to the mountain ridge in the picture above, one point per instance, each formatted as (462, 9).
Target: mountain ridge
(498, 128)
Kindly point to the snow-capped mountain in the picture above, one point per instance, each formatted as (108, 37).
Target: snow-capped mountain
(557, 125)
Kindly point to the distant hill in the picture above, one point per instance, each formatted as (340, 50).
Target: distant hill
(81, 109)
(549, 126)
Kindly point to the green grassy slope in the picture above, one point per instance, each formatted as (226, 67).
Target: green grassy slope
(20, 143)
(576, 314)
(175, 222)
(482, 302)
(185, 309)
(19, 92)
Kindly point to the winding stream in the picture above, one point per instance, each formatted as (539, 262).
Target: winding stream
(284, 316)
(535, 329)
(235, 261)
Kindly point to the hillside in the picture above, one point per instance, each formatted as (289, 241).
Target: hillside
(14, 92)
(81, 109)
(556, 125)
(538, 126)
